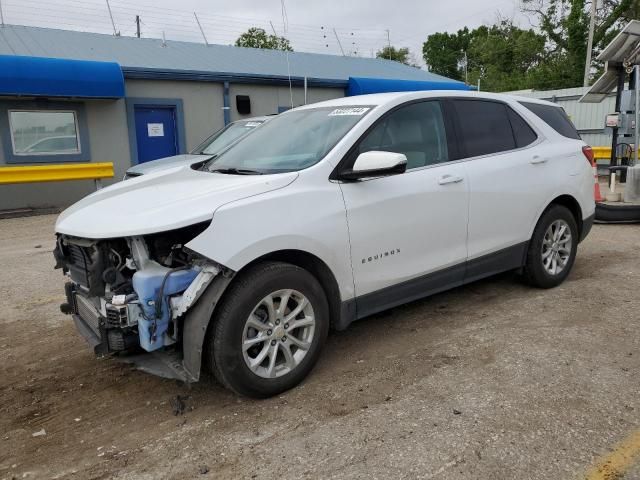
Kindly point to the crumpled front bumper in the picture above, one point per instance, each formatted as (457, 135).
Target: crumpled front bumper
(96, 342)
(90, 325)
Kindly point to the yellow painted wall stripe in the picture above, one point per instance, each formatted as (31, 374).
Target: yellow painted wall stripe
(91, 171)
(602, 153)
(55, 173)
(613, 465)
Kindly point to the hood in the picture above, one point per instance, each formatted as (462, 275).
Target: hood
(161, 201)
(169, 162)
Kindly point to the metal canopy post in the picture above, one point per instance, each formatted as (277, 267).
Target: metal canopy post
(621, 59)
(636, 134)
(614, 132)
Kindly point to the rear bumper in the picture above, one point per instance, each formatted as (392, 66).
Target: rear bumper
(587, 223)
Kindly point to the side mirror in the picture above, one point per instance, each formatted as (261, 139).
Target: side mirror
(376, 164)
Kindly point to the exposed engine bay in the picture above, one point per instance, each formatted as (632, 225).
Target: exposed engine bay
(127, 294)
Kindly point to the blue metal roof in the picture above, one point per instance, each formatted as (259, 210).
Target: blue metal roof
(147, 57)
(363, 86)
(53, 77)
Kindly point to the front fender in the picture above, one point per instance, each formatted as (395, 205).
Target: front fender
(304, 216)
(196, 322)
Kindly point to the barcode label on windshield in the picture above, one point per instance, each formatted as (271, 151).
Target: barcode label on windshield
(357, 111)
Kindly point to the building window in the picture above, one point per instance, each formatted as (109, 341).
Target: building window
(44, 132)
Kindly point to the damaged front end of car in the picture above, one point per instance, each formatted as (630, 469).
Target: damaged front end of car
(141, 297)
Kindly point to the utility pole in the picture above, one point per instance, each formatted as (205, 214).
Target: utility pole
(592, 24)
(466, 69)
(113, 24)
(201, 30)
(138, 26)
(389, 43)
(338, 39)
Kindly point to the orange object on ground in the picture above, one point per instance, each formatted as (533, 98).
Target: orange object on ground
(588, 153)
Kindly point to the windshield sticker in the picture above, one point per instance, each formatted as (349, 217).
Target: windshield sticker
(252, 124)
(355, 111)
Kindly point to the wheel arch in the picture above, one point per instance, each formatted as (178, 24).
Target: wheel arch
(199, 320)
(316, 267)
(570, 203)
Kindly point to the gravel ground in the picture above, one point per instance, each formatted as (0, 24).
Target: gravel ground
(494, 380)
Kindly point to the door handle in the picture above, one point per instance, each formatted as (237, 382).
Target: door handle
(537, 160)
(447, 179)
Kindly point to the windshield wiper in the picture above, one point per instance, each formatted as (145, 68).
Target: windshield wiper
(237, 171)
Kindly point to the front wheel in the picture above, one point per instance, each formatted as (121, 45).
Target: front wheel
(553, 247)
(269, 330)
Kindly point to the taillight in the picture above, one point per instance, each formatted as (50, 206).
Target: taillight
(588, 153)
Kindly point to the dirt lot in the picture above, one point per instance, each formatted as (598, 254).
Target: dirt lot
(494, 380)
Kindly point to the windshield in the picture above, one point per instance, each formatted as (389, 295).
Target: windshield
(292, 141)
(226, 136)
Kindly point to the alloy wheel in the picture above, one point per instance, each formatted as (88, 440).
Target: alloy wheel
(278, 333)
(556, 247)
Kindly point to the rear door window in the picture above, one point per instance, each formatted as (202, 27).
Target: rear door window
(555, 117)
(485, 126)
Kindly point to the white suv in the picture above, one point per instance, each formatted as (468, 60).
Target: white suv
(327, 214)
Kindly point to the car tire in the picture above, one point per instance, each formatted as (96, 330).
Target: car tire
(251, 320)
(552, 249)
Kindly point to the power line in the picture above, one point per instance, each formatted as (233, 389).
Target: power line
(115, 32)
(338, 40)
(180, 25)
(159, 22)
(162, 15)
(201, 30)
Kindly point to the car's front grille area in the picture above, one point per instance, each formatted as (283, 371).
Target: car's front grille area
(88, 313)
(77, 255)
(84, 263)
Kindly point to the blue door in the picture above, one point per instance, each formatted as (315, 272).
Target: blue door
(156, 132)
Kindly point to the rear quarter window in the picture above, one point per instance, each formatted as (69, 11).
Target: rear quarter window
(522, 132)
(555, 117)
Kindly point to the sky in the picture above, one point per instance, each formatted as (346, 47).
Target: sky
(360, 25)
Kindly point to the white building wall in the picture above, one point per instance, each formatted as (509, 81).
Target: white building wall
(267, 100)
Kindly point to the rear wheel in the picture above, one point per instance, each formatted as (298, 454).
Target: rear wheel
(269, 330)
(553, 247)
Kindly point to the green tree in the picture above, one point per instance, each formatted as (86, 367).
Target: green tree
(502, 55)
(398, 54)
(444, 53)
(565, 23)
(258, 38)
